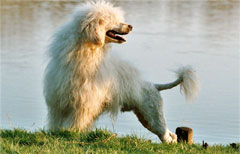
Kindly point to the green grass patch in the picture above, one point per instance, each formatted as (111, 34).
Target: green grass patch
(99, 141)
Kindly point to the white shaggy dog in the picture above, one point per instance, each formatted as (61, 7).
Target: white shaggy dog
(84, 80)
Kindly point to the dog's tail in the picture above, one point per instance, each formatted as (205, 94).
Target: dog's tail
(188, 80)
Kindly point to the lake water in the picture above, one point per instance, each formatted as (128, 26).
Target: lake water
(166, 35)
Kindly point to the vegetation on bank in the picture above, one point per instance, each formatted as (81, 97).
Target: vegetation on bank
(98, 141)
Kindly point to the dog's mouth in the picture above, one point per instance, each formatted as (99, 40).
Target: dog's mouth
(115, 35)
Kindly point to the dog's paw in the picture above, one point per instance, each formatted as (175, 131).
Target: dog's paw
(169, 137)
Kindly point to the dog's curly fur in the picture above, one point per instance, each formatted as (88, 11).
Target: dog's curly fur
(83, 79)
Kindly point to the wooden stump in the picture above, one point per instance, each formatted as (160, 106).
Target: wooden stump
(184, 134)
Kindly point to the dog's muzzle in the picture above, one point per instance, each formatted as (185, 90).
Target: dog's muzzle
(114, 34)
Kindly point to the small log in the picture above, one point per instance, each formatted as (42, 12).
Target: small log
(184, 134)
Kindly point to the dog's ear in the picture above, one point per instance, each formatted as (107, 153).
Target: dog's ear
(91, 31)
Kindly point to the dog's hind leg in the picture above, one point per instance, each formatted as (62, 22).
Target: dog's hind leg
(150, 114)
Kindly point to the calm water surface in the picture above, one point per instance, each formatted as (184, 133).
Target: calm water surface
(166, 35)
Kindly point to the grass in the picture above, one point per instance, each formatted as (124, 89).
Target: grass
(98, 141)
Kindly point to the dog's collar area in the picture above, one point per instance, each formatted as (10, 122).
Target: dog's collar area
(113, 34)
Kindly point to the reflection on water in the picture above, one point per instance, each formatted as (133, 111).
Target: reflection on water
(166, 35)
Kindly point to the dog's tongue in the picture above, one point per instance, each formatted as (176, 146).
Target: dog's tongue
(111, 34)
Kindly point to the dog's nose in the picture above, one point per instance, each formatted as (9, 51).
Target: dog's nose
(130, 27)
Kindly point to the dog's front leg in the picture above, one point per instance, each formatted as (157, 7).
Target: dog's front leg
(150, 114)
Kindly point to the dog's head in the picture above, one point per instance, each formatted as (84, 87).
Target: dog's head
(101, 22)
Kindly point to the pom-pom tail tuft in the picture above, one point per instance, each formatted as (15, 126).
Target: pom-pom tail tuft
(190, 84)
